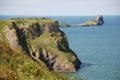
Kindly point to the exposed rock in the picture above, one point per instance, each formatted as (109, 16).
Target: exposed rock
(48, 58)
(64, 25)
(31, 31)
(35, 29)
(16, 38)
(54, 62)
(12, 37)
(49, 27)
(19, 66)
(35, 53)
(98, 21)
(57, 58)
(44, 41)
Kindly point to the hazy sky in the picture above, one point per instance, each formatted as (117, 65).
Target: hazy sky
(59, 7)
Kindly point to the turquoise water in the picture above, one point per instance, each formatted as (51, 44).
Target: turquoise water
(98, 48)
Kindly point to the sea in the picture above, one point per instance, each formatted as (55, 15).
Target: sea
(98, 47)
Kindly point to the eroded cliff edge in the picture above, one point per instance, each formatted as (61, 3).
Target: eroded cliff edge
(42, 40)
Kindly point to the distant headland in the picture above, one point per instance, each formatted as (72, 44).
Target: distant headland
(96, 22)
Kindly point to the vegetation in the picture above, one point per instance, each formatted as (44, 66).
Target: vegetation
(18, 64)
(25, 22)
(96, 22)
(49, 44)
(91, 22)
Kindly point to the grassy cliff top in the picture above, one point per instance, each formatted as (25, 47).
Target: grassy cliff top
(22, 22)
(33, 20)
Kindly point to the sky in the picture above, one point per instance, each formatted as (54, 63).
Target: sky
(60, 7)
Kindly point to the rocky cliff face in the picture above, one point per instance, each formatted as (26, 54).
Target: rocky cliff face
(12, 37)
(16, 38)
(44, 41)
(49, 27)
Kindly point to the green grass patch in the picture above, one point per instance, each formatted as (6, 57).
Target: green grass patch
(14, 66)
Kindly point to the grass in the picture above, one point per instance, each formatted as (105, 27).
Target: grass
(91, 22)
(50, 44)
(22, 22)
(44, 40)
(20, 66)
(14, 66)
(3, 24)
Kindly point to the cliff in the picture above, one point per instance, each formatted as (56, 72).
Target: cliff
(41, 40)
(97, 22)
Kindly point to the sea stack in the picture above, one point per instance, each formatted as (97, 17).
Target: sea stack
(99, 19)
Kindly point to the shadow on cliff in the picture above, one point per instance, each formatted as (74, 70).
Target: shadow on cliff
(21, 38)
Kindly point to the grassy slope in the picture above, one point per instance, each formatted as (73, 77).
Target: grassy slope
(48, 43)
(90, 22)
(19, 66)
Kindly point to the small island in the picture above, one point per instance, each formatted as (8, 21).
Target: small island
(97, 22)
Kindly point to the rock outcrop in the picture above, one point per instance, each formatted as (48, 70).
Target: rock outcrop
(64, 25)
(99, 19)
(44, 41)
(97, 22)
(16, 38)
(12, 37)
(49, 27)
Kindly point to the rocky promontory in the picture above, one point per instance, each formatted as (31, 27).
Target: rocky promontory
(97, 22)
(64, 25)
(42, 40)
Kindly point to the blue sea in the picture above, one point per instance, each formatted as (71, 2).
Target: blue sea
(97, 47)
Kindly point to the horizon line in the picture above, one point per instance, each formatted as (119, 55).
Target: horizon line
(59, 15)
